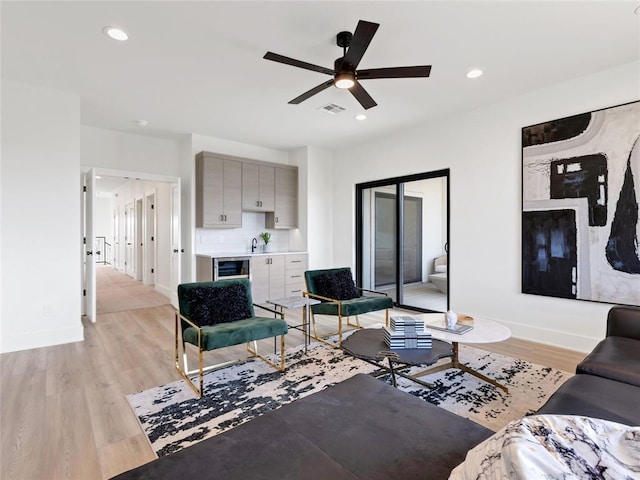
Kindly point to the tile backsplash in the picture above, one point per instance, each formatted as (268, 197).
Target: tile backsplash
(238, 240)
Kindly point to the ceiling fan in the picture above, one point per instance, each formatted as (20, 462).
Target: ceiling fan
(345, 74)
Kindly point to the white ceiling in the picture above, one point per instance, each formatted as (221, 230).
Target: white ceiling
(197, 67)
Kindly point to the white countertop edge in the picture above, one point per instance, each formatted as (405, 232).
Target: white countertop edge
(245, 254)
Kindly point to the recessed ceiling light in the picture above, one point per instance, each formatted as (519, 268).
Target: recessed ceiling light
(98, 177)
(362, 116)
(115, 33)
(475, 73)
(141, 123)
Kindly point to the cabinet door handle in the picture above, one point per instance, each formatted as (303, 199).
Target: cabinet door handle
(260, 202)
(221, 218)
(296, 261)
(296, 276)
(257, 203)
(276, 219)
(296, 291)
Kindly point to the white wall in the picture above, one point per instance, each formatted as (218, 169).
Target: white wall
(103, 226)
(40, 235)
(125, 151)
(482, 148)
(318, 215)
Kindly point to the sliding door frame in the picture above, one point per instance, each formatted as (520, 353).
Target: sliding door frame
(398, 182)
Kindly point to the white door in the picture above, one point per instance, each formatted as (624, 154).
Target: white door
(175, 243)
(115, 259)
(129, 240)
(150, 240)
(139, 242)
(89, 247)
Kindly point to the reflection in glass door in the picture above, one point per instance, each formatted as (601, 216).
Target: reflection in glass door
(384, 264)
(385, 239)
(420, 225)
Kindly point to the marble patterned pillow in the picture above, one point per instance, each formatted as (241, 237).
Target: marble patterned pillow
(555, 446)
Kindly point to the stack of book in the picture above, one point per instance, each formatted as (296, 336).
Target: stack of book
(406, 332)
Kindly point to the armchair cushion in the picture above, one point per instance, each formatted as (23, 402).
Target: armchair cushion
(337, 284)
(237, 332)
(210, 306)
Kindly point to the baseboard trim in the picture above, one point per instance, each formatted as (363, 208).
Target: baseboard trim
(555, 338)
(42, 338)
(171, 295)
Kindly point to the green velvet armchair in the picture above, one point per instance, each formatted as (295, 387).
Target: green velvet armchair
(220, 314)
(339, 296)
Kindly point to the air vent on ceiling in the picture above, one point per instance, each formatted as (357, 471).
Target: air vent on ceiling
(332, 108)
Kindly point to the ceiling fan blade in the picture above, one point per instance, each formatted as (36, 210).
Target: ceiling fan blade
(297, 63)
(360, 42)
(362, 96)
(395, 72)
(312, 92)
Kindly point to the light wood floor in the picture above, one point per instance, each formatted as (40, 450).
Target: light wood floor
(63, 412)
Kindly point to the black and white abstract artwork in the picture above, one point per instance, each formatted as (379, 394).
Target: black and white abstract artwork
(580, 194)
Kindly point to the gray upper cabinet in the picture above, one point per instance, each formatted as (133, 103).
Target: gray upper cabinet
(258, 187)
(218, 192)
(226, 186)
(285, 214)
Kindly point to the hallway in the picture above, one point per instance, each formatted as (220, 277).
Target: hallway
(118, 292)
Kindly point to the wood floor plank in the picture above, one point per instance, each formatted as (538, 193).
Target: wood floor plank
(23, 411)
(69, 444)
(124, 455)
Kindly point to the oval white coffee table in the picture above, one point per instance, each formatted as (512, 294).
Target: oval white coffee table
(484, 331)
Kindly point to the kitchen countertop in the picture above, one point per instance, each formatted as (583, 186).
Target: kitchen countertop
(243, 254)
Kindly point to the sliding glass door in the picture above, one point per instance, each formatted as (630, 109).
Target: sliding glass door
(401, 245)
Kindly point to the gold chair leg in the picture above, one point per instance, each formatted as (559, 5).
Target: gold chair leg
(386, 320)
(185, 372)
(255, 353)
(357, 324)
(282, 367)
(313, 324)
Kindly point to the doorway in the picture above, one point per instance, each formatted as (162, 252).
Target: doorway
(144, 238)
(402, 246)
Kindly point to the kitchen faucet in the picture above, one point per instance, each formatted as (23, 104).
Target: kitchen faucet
(254, 245)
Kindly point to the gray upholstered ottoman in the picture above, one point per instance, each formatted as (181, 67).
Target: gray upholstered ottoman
(361, 428)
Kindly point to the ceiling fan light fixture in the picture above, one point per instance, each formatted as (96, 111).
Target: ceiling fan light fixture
(344, 80)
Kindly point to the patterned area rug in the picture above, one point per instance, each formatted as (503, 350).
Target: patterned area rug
(172, 418)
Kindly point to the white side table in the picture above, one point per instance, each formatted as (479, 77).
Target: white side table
(298, 302)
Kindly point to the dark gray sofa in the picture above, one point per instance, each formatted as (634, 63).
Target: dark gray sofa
(361, 428)
(607, 381)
